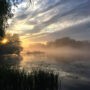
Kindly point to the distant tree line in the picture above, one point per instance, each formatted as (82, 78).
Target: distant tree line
(66, 41)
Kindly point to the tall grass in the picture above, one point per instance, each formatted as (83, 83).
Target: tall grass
(14, 79)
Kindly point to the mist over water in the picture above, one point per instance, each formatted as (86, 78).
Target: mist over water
(73, 65)
(65, 57)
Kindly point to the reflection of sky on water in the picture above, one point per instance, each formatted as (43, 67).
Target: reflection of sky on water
(67, 66)
(73, 71)
(10, 60)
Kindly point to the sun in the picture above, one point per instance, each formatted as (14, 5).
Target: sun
(4, 41)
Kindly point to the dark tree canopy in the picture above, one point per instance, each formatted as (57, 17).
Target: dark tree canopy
(12, 46)
(8, 44)
(5, 13)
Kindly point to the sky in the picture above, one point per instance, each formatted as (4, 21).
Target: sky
(46, 20)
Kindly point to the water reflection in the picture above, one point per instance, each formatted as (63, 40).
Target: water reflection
(73, 64)
(74, 71)
(10, 60)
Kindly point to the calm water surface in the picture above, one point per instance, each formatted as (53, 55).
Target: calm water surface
(75, 70)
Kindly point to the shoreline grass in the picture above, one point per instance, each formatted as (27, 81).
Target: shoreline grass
(15, 79)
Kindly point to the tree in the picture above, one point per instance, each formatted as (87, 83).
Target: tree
(5, 13)
(12, 46)
(8, 44)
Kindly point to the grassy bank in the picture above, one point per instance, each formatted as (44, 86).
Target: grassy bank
(14, 79)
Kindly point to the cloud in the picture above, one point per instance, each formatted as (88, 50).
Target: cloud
(47, 17)
(79, 31)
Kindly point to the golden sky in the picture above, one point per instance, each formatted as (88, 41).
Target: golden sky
(45, 20)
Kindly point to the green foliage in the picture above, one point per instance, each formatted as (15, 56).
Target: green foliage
(14, 79)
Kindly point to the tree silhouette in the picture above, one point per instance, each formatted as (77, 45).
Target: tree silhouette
(12, 46)
(5, 13)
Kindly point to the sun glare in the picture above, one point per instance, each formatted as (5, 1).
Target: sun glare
(4, 41)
